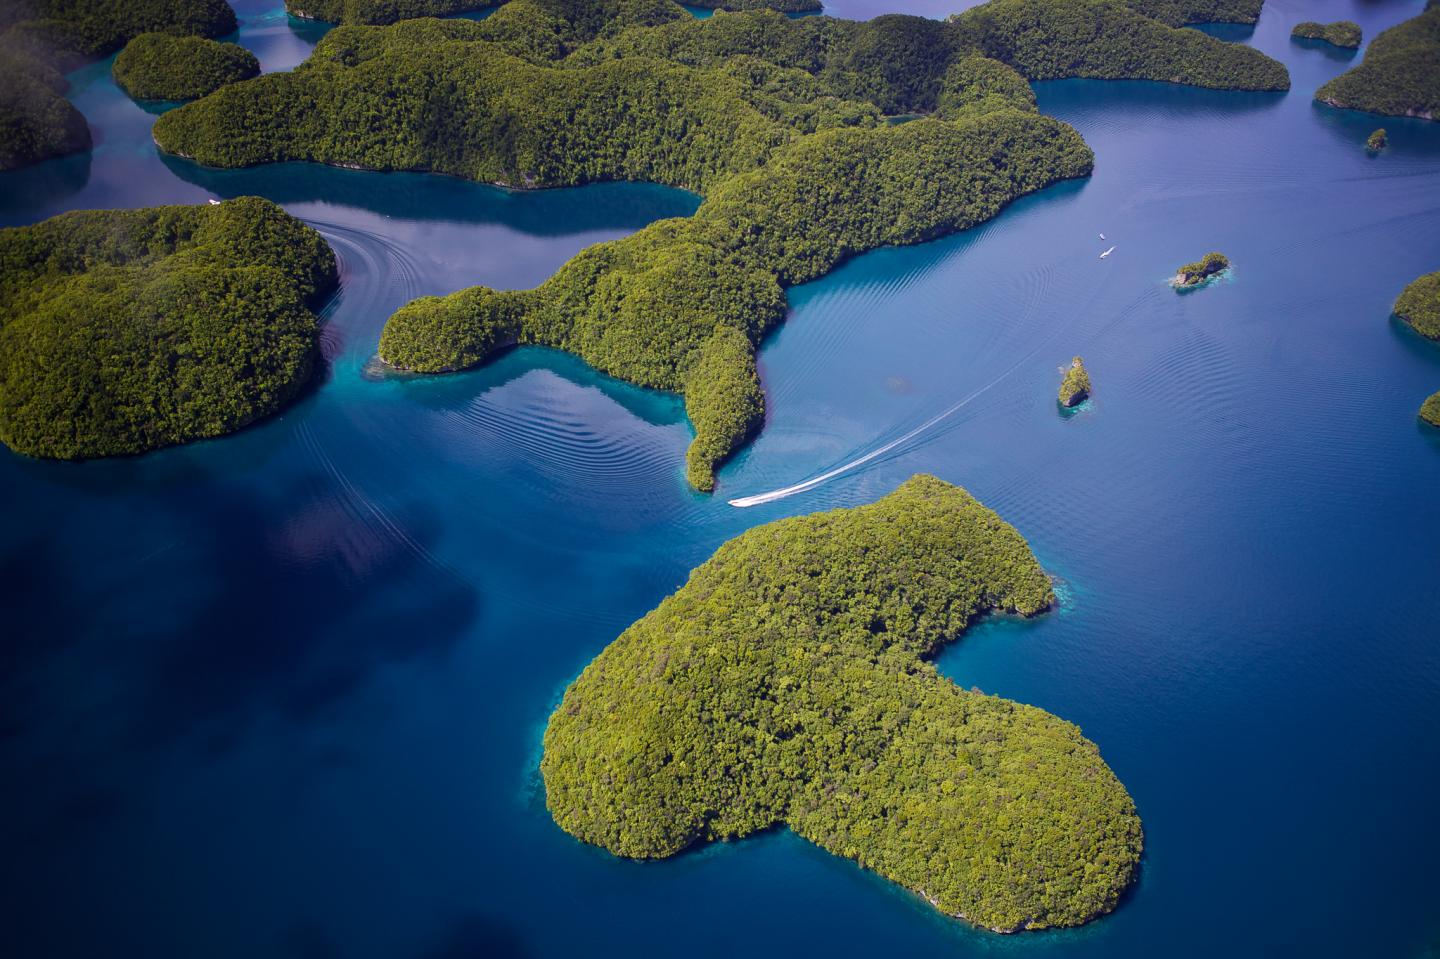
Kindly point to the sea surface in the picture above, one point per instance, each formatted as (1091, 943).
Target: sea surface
(282, 694)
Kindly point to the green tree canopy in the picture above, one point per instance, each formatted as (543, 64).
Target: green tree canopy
(788, 682)
(776, 120)
(1400, 74)
(158, 66)
(125, 330)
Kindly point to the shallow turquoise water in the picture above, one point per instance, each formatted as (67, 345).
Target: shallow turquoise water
(282, 694)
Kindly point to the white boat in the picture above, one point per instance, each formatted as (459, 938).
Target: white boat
(1107, 253)
(1102, 236)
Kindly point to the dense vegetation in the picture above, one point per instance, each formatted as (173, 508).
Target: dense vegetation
(126, 330)
(776, 120)
(669, 304)
(1400, 74)
(429, 95)
(1193, 274)
(899, 62)
(39, 39)
(1419, 305)
(381, 11)
(782, 6)
(1178, 13)
(68, 32)
(1075, 387)
(1106, 40)
(787, 682)
(1341, 33)
(158, 66)
(36, 121)
(1376, 141)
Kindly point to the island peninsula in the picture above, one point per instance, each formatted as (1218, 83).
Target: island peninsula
(778, 122)
(789, 681)
(1400, 74)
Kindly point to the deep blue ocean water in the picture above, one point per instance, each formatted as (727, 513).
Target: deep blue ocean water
(282, 693)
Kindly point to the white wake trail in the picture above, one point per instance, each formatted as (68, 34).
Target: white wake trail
(744, 502)
(759, 499)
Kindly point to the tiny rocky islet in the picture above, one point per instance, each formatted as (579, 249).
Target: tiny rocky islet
(1075, 386)
(1196, 274)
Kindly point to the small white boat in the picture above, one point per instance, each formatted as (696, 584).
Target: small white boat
(1107, 253)
(1102, 236)
(214, 202)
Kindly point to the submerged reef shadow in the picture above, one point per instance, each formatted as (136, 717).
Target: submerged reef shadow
(479, 937)
(335, 599)
(284, 601)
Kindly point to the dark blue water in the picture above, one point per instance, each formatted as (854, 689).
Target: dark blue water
(281, 694)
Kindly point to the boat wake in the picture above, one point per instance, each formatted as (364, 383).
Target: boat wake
(759, 499)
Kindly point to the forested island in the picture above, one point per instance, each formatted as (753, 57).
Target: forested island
(41, 39)
(1075, 387)
(1400, 74)
(1377, 141)
(36, 121)
(1341, 33)
(780, 6)
(1192, 275)
(777, 121)
(1419, 305)
(126, 330)
(788, 681)
(1179, 13)
(382, 12)
(66, 33)
(158, 66)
